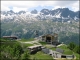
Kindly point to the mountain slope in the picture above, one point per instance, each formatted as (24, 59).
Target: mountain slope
(24, 24)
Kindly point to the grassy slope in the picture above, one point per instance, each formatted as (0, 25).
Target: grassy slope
(67, 51)
(41, 55)
(43, 43)
(26, 40)
(38, 55)
(64, 47)
(7, 42)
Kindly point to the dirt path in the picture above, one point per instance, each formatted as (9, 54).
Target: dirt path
(31, 42)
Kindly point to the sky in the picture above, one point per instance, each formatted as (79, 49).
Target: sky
(17, 6)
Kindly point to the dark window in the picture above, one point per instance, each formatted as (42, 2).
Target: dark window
(48, 38)
(63, 56)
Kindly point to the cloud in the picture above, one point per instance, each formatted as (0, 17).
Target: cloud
(72, 5)
(16, 9)
(16, 5)
(75, 6)
(25, 5)
(4, 8)
(57, 7)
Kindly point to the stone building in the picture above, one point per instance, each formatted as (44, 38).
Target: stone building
(10, 37)
(52, 39)
(34, 49)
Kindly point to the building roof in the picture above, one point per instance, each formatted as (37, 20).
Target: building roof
(9, 36)
(51, 34)
(34, 46)
(59, 50)
(48, 35)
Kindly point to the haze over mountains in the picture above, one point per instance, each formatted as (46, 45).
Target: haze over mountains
(24, 24)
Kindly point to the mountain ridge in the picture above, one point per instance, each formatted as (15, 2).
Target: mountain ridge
(45, 14)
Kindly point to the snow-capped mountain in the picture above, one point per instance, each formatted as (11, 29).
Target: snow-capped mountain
(60, 14)
(24, 24)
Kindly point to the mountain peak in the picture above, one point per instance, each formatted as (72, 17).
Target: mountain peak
(44, 14)
(34, 11)
(20, 12)
(45, 11)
